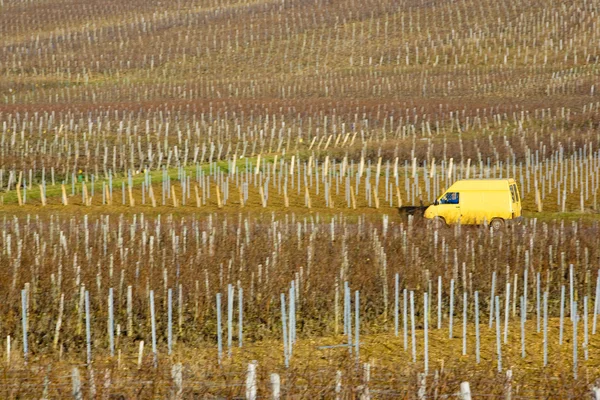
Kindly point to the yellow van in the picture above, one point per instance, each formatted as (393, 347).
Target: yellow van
(477, 201)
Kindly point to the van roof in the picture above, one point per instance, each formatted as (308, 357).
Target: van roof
(478, 184)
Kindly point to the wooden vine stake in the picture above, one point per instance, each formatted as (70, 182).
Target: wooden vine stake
(361, 166)
(42, 195)
(8, 351)
(538, 200)
(64, 195)
(174, 196)
(151, 194)
(398, 196)
(468, 173)
(19, 198)
(106, 193)
(286, 199)
(61, 308)
(219, 204)
(449, 173)
(263, 200)
(307, 197)
(353, 198)
(131, 199)
(241, 196)
(198, 200)
(140, 354)
(86, 201)
(328, 141)
(275, 164)
(257, 169)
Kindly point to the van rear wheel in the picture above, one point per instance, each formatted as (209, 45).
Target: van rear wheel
(497, 224)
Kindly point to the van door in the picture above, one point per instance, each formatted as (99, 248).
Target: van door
(449, 207)
(516, 201)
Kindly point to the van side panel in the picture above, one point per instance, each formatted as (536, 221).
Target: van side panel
(470, 206)
(496, 205)
(484, 205)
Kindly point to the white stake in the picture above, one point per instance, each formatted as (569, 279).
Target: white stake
(412, 327)
(275, 386)
(465, 391)
(251, 381)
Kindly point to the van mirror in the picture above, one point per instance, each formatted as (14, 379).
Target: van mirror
(435, 203)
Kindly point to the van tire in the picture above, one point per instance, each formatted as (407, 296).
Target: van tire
(497, 224)
(438, 223)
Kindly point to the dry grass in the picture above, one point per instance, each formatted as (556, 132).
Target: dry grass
(113, 87)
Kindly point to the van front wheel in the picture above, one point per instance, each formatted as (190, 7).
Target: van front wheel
(497, 224)
(438, 223)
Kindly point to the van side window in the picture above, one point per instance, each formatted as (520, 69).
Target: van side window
(450, 198)
(513, 193)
